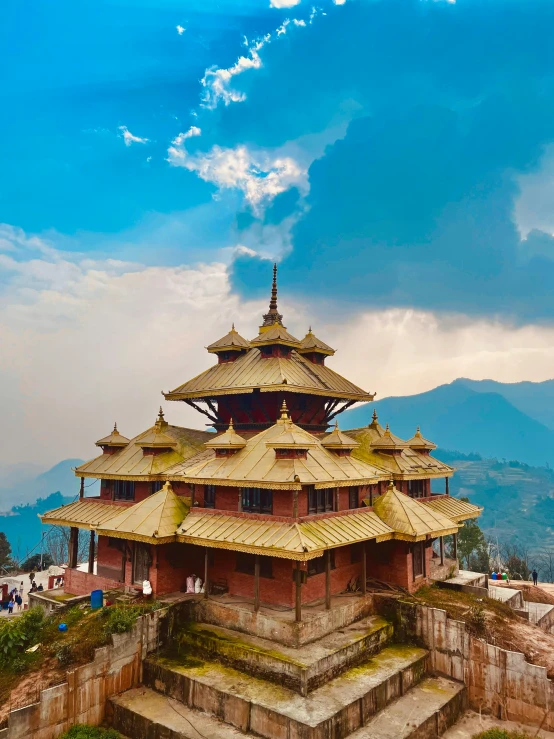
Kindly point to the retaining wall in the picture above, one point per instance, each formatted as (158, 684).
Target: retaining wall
(82, 699)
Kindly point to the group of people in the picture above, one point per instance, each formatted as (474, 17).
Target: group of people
(15, 598)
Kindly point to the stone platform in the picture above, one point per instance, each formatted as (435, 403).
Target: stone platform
(301, 669)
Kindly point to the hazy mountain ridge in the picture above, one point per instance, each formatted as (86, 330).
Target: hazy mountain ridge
(457, 416)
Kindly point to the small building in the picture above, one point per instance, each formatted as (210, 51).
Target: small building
(278, 504)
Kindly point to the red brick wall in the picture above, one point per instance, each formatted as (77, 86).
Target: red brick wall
(303, 502)
(227, 498)
(282, 502)
(340, 577)
(142, 490)
(391, 561)
(172, 564)
(81, 583)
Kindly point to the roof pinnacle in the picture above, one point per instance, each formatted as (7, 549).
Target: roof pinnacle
(284, 411)
(273, 316)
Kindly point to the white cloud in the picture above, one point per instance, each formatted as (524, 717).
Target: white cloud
(260, 175)
(88, 342)
(339, 2)
(284, 3)
(129, 138)
(180, 30)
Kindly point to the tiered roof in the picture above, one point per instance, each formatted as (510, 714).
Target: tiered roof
(257, 465)
(453, 508)
(115, 439)
(409, 519)
(311, 344)
(232, 341)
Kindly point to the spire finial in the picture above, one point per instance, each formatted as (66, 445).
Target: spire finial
(115, 428)
(231, 427)
(284, 411)
(391, 485)
(160, 421)
(336, 425)
(273, 316)
(233, 326)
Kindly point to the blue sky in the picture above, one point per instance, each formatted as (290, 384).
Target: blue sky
(395, 156)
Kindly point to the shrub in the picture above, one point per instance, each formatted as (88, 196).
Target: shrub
(498, 733)
(85, 731)
(477, 623)
(17, 634)
(120, 619)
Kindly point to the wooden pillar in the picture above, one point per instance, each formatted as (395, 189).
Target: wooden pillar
(447, 484)
(336, 499)
(256, 583)
(192, 495)
(328, 579)
(206, 579)
(82, 488)
(298, 604)
(73, 546)
(364, 567)
(240, 501)
(441, 544)
(455, 545)
(91, 553)
(295, 503)
(371, 495)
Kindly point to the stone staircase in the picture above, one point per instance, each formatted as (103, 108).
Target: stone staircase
(354, 682)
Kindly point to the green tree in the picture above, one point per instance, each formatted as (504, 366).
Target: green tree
(5, 551)
(31, 564)
(472, 546)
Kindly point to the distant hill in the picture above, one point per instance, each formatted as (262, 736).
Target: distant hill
(24, 499)
(457, 416)
(518, 499)
(535, 399)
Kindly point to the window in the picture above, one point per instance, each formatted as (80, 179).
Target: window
(123, 490)
(156, 486)
(257, 500)
(320, 501)
(317, 566)
(353, 494)
(267, 351)
(246, 563)
(209, 496)
(418, 559)
(416, 488)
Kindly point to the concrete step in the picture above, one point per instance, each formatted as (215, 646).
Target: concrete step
(301, 669)
(542, 615)
(509, 596)
(143, 713)
(425, 711)
(332, 711)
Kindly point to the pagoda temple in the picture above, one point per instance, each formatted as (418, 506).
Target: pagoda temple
(273, 502)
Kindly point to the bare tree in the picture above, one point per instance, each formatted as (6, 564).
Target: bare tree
(545, 566)
(56, 544)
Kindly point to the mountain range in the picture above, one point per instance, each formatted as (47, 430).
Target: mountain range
(512, 421)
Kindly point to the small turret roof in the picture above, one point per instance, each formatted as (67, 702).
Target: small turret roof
(338, 440)
(231, 341)
(276, 334)
(410, 519)
(386, 439)
(310, 343)
(419, 442)
(156, 438)
(115, 439)
(229, 440)
(289, 435)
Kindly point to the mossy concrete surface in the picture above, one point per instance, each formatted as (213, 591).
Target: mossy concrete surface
(302, 669)
(332, 711)
(426, 711)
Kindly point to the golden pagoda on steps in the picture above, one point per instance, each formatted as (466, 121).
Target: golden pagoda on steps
(279, 505)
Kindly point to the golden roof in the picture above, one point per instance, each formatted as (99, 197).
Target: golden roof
(232, 341)
(300, 540)
(115, 439)
(229, 440)
(310, 343)
(418, 442)
(408, 464)
(383, 438)
(275, 334)
(130, 463)
(156, 438)
(338, 440)
(454, 508)
(410, 519)
(82, 514)
(270, 374)
(257, 465)
(154, 520)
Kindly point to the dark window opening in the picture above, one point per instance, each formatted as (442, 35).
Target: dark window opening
(416, 488)
(156, 486)
(123, 490)
(246, 563)
(418, 559)
(317, 566)
(257, 500)
(320, 501)
(209, 496)
(356, 552)
(141, 563)
(353, 494)
(267, 351)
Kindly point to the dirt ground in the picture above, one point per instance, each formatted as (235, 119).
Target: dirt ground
(473, 723)
(531, 593)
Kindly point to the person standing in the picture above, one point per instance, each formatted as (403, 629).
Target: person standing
(21, 588)
(535, 576)
(10, 605)
(31, 576)
(18, 601)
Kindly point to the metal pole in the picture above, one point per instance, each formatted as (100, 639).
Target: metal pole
(91, 552)
(441, 540)
(257, 583)
(328, 579)
(298, 609)
(455, 542)
(41, 551)
(206, 583)
(82, 488)
(447, 486)
(364, 567)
